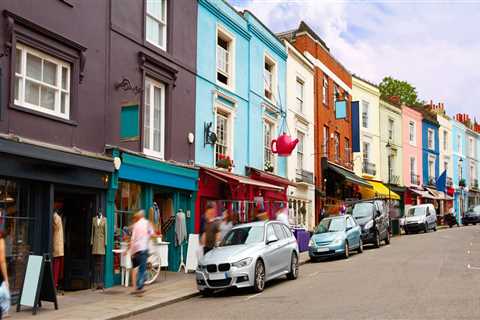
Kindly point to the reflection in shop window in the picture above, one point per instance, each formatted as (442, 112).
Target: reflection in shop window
(18, 228)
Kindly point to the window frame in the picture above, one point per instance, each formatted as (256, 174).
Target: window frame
(227, 36)
(337, 145)
(413, 169)
(230, 115)
(150, 151)
(325, 91)
(412, 133)
(269, 60)
(300, 149)
(60, 64)
(165, 33)
(445, 140)
(431, 160)
(431, 134)
(365, 114)
(300, 85)
(459, 144)
(391, 128)
(267, 147)
(326, 141)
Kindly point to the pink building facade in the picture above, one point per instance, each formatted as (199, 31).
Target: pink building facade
(412, 154)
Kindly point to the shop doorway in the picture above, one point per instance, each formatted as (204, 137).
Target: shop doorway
(77, 210)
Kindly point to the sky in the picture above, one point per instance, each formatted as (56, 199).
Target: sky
(434, 45)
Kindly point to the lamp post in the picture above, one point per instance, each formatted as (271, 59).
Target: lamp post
(461, 205)
(389, 154)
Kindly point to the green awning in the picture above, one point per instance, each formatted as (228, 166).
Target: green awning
(349, 175)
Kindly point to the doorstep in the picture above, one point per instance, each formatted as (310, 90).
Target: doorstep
(115, 302)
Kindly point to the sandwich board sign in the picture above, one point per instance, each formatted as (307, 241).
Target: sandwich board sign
(38, 284)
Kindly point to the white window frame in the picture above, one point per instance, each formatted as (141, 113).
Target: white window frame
(300, 96)
(471, 147)
(365, 114)
(337, 152)
(391, 128)
(413, 170)
(230, 38)
(459, 145)
(445, 140)
(150, 151)
(326, 141)
(366, 151)
(301, 149)
(431, 134)
(412, 134)
(273, 127)
(267, 59)
(230, 115)
(162, 46)
(325, 90)
(431, 159)
(58, 88)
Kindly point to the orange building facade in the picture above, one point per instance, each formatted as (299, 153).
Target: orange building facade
(333, 137)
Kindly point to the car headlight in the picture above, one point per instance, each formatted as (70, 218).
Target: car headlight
(242, 263)
(368, 225)
(311, 243)
(337, 241)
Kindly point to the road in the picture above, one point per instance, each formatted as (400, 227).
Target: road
(424, 276)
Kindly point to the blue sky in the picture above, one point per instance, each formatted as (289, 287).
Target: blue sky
(432, 44)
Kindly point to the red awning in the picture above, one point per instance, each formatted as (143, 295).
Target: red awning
(269, 177)
(230, 177)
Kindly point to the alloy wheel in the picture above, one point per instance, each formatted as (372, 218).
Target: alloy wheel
(259, 276)
(293, 274)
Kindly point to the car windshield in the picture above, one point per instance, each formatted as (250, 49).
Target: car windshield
(331, 225)
(243, 235)
(416, 211)
(362, 210)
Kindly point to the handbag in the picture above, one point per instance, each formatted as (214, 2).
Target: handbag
(4, 298)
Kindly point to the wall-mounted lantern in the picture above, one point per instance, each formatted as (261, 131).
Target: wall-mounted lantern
(210, 137)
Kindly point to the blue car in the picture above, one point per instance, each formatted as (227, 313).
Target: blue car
(335, 236)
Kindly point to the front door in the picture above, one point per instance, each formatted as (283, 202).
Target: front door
(77, 213)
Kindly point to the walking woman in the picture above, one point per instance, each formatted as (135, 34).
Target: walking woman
(4, 287)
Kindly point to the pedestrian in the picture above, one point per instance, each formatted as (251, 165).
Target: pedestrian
(4, 286)
(142, 231)
(282, 215)
(227, 223)
(211, 235)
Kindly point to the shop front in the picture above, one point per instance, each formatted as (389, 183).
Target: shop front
(162, 190)
(242, 196)
(35, 182)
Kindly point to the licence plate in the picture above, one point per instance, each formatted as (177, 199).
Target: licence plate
(323, 249)
(217, 276)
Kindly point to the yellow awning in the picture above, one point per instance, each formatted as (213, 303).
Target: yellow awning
(379, 191)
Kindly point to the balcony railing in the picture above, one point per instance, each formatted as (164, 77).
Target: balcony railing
(474, 184)
(432, 181)
(394, 179)
(414, 179)
(369, 168)
(449, 182)
(304, 176)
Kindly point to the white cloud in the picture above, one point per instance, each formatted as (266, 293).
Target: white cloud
(431, 44)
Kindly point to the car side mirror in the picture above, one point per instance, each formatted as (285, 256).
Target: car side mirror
(349, 228)
(271, 239)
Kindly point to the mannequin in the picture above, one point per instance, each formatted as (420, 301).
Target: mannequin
(98, 242)
(180, 235)
(58, 246)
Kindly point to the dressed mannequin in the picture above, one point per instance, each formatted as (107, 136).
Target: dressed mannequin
(99, 242)
(58, 247)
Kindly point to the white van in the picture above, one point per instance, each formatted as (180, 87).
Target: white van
(422, 217)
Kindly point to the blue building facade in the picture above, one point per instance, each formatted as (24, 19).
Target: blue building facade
(460, 172)
(430, 151)
(238, 98)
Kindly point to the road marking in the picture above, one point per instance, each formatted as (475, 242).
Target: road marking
(472, 267)
(251, 297)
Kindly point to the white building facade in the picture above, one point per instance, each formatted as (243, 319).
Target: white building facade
(300, 117)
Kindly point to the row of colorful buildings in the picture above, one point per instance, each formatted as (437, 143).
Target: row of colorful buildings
(162, 105)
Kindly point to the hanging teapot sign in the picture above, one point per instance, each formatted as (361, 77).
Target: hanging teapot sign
(283, 145)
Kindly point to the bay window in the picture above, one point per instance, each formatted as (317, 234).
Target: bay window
(154, 118)
(42, 82)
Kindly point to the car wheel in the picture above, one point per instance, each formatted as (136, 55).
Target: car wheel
(387, 239)
(259, 283)
(376, 241)
(346, 254)
(206, 292)
(435, 228)
(406, 231)
(360, 247)
(293, 274)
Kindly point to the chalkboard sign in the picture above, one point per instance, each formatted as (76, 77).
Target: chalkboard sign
(38, 283)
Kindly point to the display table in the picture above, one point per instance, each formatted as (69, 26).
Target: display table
(303, 237)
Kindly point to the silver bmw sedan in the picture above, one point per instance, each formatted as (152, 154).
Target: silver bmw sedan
(249, 255)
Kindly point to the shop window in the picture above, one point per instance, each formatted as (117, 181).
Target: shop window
(42, 82)
(18, 229)
(156, 23)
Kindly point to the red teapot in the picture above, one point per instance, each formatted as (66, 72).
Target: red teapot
(283, 145)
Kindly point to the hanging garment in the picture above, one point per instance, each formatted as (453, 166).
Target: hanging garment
(98, 270)
(180, 228)
(58, 243)
(99, 236)
(57, 270)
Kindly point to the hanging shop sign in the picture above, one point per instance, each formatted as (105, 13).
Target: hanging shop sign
(283, 145)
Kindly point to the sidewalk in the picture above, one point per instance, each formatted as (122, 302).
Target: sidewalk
(117, 302)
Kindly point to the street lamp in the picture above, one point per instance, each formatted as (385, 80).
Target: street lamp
(389, 154)
(461, 205)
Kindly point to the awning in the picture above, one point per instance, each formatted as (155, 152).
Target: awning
(439, 195)
(230, 177)
(423, 194)
(379, 191)
(348, 175)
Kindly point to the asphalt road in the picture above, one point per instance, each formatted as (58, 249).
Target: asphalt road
(424, 276)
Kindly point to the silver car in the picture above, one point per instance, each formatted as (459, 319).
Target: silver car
(249, 255)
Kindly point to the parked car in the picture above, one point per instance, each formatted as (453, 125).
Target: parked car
(372, 216)
(472, 216)
(335, 236)
(422, 217)
(248, 256)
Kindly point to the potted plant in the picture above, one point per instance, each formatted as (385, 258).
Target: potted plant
(269, 167)
(462, 183)
(225, 162)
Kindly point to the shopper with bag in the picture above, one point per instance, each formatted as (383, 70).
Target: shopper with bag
(142, 231)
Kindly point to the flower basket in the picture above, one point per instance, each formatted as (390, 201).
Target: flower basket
(269, 167)
(462, 183)
(224, 162)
